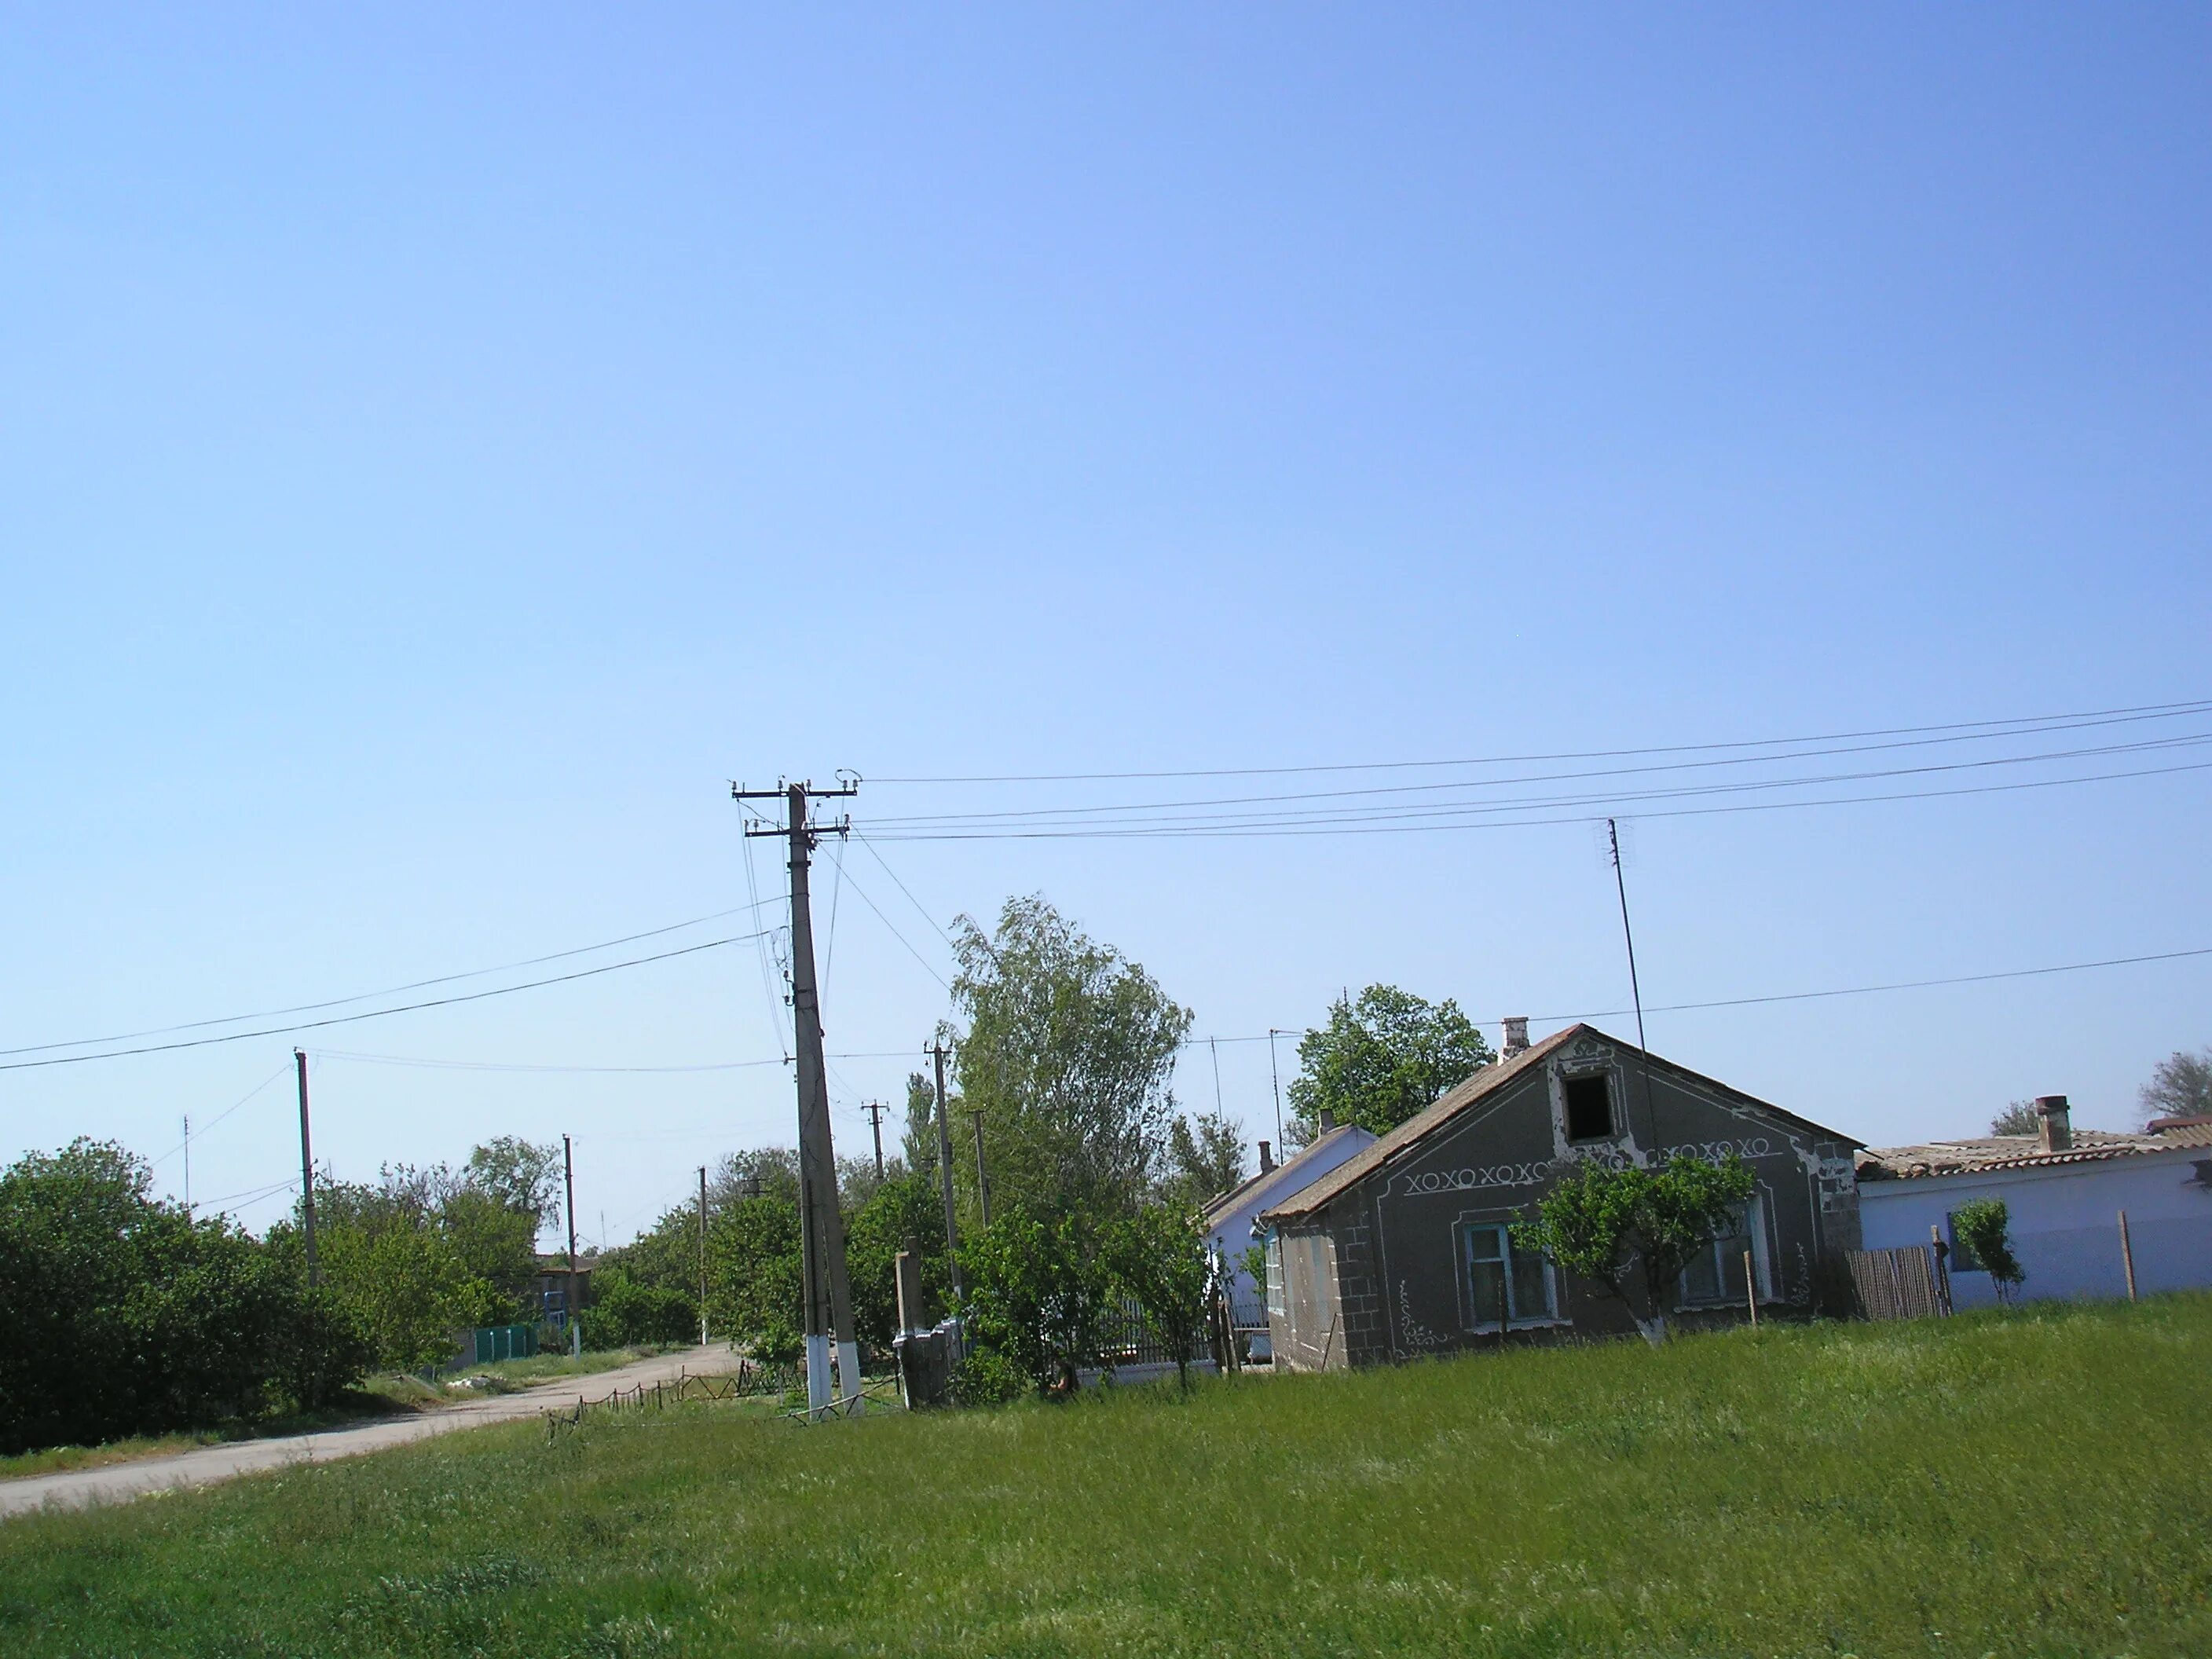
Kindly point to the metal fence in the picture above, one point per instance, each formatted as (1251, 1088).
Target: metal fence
(751, 1381)
(1911, 1282)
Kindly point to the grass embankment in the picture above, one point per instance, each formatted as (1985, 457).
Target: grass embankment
(2029, 1484)
(378, 1395)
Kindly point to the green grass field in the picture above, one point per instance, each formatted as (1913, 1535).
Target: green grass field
(2027, 1484)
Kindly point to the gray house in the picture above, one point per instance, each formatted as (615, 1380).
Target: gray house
(1404, 1250)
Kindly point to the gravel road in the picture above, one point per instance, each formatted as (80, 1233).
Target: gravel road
(205, 1464)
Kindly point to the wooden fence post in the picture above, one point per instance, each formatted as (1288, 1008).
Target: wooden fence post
(2127, 1255)
(1751, 1290)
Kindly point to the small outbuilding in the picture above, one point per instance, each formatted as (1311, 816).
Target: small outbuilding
(1232, 1219)
(1405, 1249)
(2066, 1190)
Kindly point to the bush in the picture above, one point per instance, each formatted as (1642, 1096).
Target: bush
(1983, 1225)
(627, 1314)
(1035, 1295)
(988, 1378)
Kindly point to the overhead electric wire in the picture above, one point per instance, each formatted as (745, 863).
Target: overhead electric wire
(1098, 811)
(919, 908)
(1378, 825)
(2027, 722)
(388, 991)
(375, 1013)
(900, 936)
(201, 1132)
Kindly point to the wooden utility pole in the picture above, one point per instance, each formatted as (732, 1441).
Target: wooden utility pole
(306, 1171)
(2127, 1255)
(944, 1171)
(827, 1290)
(703, 1256)
(982, 1176)
(568, 1176)
(875, 1109)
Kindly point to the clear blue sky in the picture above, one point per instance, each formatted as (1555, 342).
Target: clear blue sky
(438, 453)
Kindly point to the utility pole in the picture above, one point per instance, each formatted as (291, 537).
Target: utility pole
(875, 1109)
(945, 1170)
(822, 1230)
(703, 1256)
(1620, 886)
(983, 1178)
(188, 1168)
(306, 1172)
(569, 1174)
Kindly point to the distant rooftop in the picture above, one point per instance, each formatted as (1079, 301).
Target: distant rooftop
(1943, 1157)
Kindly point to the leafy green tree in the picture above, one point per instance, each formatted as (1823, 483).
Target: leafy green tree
(406, 1288)
(1983, 1225)
(1205, 1158)
(1381, 1059)
(1068, 1054)
(520, 1176)
(626, 1312)
(1036, 1296)
(2017, 1119)
(902, 1211)
(1158, 1258)
(755, 1273)
(1633, 1230)
(918, 1146)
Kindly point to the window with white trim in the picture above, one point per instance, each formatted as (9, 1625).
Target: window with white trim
(1715, 1274)
(1276, 1303)
(1502, 1283)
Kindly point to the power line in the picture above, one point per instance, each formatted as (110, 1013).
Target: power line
(1370, 826)
(257, 1089)
(378, 1013)
(2024, 720)
(1405, 789)
(388, 991)
(920, 909)
(898, 935)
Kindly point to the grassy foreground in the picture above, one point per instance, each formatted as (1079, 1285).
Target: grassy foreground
(2030, 1483)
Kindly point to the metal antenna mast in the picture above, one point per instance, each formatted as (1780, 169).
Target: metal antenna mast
(822, 1230)
(1620, 886)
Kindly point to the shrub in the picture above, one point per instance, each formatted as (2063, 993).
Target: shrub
(1982, 1226)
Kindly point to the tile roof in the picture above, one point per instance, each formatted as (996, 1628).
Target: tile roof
(1426, 1121)
(1943, 1157)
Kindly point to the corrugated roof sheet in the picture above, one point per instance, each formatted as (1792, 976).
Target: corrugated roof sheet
(1943, 1157)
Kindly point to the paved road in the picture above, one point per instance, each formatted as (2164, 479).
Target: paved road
(204, 1465)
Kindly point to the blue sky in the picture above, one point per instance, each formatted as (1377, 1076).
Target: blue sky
(438, 453)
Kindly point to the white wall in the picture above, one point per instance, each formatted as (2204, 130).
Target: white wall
(1233, 1234)
(2065, 1223)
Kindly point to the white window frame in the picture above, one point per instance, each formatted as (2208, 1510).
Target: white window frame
(1754, 1227)
(1516, 1318)
(1278, 1300)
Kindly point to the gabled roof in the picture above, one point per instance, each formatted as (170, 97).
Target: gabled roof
(1484, 1083)
(1991, 1153)
(1222, 1208)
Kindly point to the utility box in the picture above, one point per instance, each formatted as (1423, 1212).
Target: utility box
(924, 1366)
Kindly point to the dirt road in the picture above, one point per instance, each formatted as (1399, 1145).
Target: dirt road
(205, 1464)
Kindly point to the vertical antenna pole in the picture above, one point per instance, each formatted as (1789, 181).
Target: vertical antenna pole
(568, 1179)
(1620, 886)
(703, 1256)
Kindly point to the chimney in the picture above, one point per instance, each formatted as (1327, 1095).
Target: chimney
(1327, 1120)
(2054, 1131)
(1517, 1035)
(1266, 1159)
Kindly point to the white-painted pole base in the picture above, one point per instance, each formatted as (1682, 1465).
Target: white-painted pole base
(848, 1378)
(818, 1376)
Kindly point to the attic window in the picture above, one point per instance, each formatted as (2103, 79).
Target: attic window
(1589, 1108)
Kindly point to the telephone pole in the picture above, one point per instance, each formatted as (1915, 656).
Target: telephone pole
(944, 1171)
(306, 1171)
(703, 1256)
(1620, 886)
(822, 1230)
(982, 1179)
(188, 1168)
(568, 1175)
(875, 1109)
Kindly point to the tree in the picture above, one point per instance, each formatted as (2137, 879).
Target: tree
(626, 1312)
(903, 1210)
(2017, 1119)
(2180, 1086)
(918, 1146)
(1158, 1257)
(404, 1287)
(520, 1176)
(1983, 1225)
(1632, 1228)
(1035, 1296)
(1205, 1158)
(1068, 1054)
(1380, 1059)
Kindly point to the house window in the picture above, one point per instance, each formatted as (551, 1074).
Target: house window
(1276, 1305)
(1503, 1282)
(1963, 1259)
(1589, 1108)
(1715, 1274)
